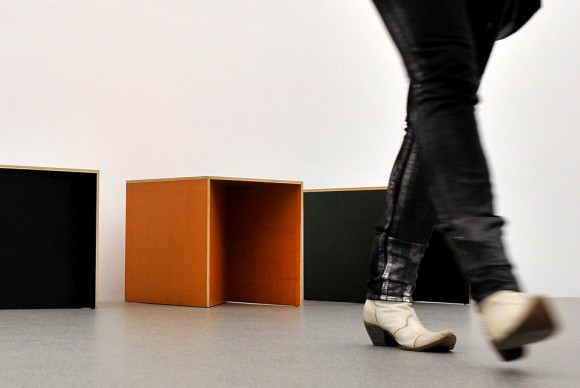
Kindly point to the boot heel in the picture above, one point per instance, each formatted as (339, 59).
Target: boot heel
(378, 336)
(511, 354)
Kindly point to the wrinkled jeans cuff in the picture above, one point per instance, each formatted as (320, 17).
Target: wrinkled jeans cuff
(399, 276)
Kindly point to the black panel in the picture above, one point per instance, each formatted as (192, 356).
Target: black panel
(338, 232)
(439, 277)
(47, 239)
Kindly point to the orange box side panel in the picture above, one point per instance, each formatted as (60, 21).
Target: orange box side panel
(218, 245)
(264, 243)
(166, 242)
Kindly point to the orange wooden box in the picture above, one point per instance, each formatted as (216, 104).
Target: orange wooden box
(204, 241)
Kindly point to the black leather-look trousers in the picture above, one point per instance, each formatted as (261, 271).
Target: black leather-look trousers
(440, 178)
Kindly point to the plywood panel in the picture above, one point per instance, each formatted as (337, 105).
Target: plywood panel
(48, 237)
(205, 241)
(167, 242)
(264, 235)
(218, 244)
(338, 232)
(339, 228)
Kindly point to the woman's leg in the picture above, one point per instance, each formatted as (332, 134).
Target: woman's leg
(437, 40)
(445, 45)
(398, 247)
(403, 232)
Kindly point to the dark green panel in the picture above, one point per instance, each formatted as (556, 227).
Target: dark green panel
(338, 232)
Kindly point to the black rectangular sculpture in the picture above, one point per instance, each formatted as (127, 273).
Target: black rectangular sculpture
(338, 232)
(48, 238)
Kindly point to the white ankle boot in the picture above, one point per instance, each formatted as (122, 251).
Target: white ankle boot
(513, 319)
(396, 324)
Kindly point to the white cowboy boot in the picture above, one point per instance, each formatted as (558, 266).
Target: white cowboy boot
(396, 324)
(513, 319)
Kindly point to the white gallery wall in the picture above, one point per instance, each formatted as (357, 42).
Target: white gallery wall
(309, 90)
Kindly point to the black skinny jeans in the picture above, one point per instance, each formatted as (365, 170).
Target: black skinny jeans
(440, 178)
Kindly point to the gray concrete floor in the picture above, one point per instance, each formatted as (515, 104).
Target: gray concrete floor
(321, 344)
